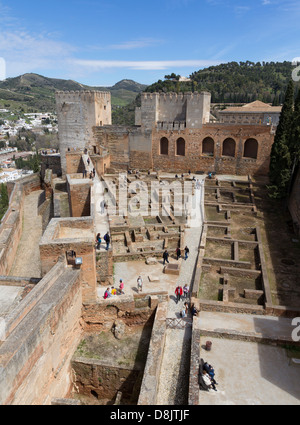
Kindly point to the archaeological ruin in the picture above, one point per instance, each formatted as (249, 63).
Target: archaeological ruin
(174, 180)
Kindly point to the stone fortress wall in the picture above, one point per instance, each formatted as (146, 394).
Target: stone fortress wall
(192, 109)
(172, 133)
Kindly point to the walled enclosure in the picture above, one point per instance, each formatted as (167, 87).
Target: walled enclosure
(63, 236)
(173, 134)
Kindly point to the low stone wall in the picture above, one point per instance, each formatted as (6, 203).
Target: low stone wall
(104, 267)
(149, 388)
(133, 310)
(194, 368)
(35, 356)
(11, 223)
(229, 307)
(79, 191)
(45, 209)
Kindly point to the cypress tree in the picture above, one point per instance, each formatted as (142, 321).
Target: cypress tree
(280, 159)
(4, 201)
(295, 131)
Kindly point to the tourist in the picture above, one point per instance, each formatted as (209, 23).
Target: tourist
(113, 291)
(102, 206)
(187, 251)
(194, 311)
(183, 312)
(186, 291)
(210, 370)
(107, 240)
(88, 161)
(107, 294)
(84, 173)
(94, 172)
(140, 284)
(178, 253)
(98, 241)
(166, 257)
(121, 287)
(207, 380)
(178, 293)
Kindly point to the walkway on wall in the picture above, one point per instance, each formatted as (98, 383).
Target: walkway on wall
(101, 219)
(27, 260)
(174, 376)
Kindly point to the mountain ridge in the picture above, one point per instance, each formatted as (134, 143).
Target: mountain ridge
(34, 91)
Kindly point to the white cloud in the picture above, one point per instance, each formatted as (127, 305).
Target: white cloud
(143, 65)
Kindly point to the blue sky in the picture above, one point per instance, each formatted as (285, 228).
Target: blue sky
(100, 42)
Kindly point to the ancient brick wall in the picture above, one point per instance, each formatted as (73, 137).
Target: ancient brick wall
(115, 139)
(11, 224)
(51, 162)
(65, 235)
(196, 159)
(74, 162)
(106, 379)
(35, 357)
(79, 197)
(104, 267)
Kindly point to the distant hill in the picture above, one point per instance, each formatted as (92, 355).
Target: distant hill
(33, 92)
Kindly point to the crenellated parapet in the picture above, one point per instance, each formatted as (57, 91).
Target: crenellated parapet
(190, 107)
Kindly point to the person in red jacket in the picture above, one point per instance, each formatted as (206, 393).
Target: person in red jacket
(178, 293)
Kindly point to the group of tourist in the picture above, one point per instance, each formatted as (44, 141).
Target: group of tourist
(208, 376)
(111, 292)
(99, 241)
(166, 255)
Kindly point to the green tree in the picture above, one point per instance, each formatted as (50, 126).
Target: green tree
(4, 200)
(295, 131)
(280, 159)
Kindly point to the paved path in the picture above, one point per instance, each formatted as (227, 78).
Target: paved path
(174, 377)
(101, 219)
(27, 262)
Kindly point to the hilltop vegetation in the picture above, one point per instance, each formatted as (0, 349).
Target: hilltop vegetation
(235, 82)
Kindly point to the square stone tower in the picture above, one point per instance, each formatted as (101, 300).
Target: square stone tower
(166, 110)
(78, 112)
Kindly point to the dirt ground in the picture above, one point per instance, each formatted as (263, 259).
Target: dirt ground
(130, 350)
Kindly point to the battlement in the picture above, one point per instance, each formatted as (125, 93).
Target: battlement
(174, 96)
(82, 95)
